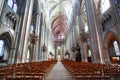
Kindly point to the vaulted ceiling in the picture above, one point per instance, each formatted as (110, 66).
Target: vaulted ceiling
(60, 12)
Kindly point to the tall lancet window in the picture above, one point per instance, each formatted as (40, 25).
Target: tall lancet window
(12, 4)
(1, 47)
(105, 5)
(116, 47)
(31, 28)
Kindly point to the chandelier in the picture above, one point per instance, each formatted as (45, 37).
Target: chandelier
(11, 16)
(33, 38)
(44, 48)
(83, 36)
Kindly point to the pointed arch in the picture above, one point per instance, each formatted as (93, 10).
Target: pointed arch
(8, 41)
(108, 37)
(110, 46)
(9, 34)
(6, 36)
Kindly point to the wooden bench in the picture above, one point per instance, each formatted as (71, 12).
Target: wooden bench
(27, 71)
(94, 71)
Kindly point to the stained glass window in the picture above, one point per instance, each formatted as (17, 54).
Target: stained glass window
(116, 47)
(12, 4)
(105, 5)
(1, 47)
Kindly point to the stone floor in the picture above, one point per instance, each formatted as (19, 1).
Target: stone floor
(59, 72)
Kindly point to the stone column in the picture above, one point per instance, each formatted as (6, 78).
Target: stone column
(11, 56)
(42, 42)
(37, 31)
(40, 38)
(23, 48)
(18, 34)
(74, 31)
(82, 42)
(93, 32)
(84, 39)
(33, 38)
(84, 52)
(55, 51)
(1, 5)
(48, 41)
(104, 56)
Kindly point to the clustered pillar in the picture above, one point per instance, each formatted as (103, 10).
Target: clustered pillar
(93, 32)
(23, 48)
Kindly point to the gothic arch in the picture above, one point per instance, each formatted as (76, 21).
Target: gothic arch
(108, 37)
(7, 37)
(8, 33)
(7, 41)
(109, 40)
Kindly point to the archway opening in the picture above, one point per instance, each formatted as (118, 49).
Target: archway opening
(59, 53)
(4, 51)
(5, 45)
(1, 50)
(114, 51)
(89, 56)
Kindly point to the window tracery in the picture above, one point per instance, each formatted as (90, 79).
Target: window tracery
(13, 5)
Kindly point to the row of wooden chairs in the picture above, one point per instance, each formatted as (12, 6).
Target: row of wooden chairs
(26, 71)
(92, 71)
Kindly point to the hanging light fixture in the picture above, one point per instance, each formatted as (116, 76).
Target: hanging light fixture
(33, 38)
(44, 48)
(83, 36)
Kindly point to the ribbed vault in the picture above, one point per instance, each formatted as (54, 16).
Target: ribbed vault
(59, 27)
(60, 12)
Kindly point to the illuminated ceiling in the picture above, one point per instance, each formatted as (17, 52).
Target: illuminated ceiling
(60, 12)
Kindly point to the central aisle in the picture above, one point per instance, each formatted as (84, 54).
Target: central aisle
(59, 72)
